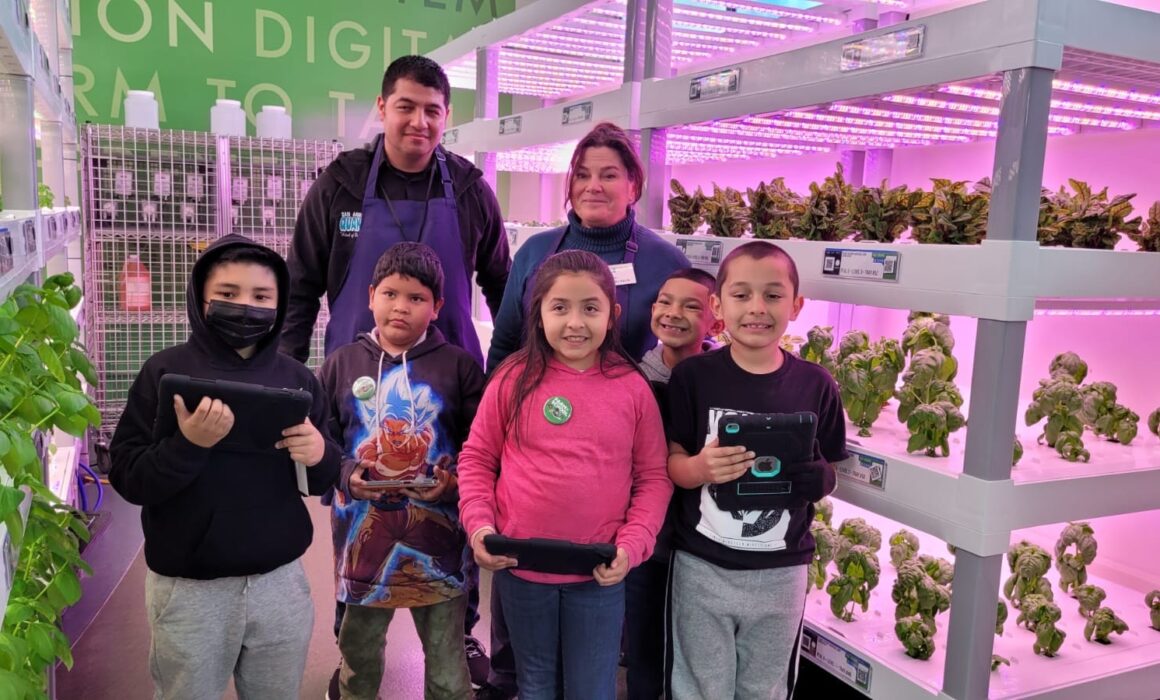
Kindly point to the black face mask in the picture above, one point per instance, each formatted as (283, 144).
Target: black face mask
(239, 325)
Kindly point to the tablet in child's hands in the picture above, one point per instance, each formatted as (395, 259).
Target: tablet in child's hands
(261, 413)
(780, 441)
(551, 556)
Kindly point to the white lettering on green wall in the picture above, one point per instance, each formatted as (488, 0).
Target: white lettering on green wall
(203, 32)
(362, 50)
(131, 37)
(121, 88)
(221, 84)
(414, 36)
(83, 81)
(309, 39)
(340, 100)
(260, 18)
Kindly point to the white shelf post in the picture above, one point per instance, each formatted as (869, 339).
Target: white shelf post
(487, 103)
(648, 55)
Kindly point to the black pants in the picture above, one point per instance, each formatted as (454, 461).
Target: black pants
(503, 658)
(644, 618)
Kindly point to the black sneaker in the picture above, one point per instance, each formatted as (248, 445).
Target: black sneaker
(478, 665)
(490, 692)
(332, 690)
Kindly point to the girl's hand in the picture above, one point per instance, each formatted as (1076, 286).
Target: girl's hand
(485, 559)
(614, 573)
(445, 484)
(719, 465)
(304, 442)
(361, 490)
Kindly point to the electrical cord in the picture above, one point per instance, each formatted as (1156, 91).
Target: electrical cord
(100, 488)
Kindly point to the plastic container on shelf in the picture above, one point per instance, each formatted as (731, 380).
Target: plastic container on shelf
(226, 118)
(273, 122)
(141, 110)
(136, 286)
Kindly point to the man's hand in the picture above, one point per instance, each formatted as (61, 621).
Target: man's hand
(485, 559)
(614, 573)
(361, 490)
(718, 465)
(207, 425)
(304, 442)
(445, 486)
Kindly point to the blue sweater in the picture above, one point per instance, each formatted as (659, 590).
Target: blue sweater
(655, 260)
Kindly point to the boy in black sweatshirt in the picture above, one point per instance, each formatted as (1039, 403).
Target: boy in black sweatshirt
(225, 529)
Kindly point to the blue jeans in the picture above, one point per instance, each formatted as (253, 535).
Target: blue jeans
(566, 638)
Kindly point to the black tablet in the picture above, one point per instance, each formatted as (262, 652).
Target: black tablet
(261, 413)
(551, 556)
(781, 442)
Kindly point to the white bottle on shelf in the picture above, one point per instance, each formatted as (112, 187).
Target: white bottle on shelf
(141, 110)
(273, 122)
(226, 118)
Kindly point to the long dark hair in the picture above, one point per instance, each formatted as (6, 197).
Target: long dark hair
(528, 365)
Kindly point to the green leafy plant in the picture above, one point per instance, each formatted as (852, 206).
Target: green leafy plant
(824, 511)
(1039, 614)
(823, 216)
(1154, 422)
(928, 400)
(1090, 220)
(685, 208)
(867, 375)
(1090, 597)
(917, 635)
(1148, 237)
(856, 532)
(44, 196)
(903, 547)
(816, 349)
(881, 213)
(1017, 453)
(41, 361)
(1103, 623)
(1073, 565)
(930, 427)
(938, 568)
(1104, 417)
(725, 212)
(1000, 620)
(927, 380)
(825, 547)
(857, 575)
(915, 592)
(929, 331)
(1152, 600)
(1060, 400)
(1029, 563)
(791, 343)
(951, 214)
(773, 209)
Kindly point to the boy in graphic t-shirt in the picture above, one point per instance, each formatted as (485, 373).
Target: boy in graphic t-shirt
(738, 586)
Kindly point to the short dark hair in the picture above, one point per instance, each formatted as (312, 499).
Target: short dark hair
(697, 275)
(420, 69)
(415, 260)
(607, 135)
(249, 255)
(758, 250)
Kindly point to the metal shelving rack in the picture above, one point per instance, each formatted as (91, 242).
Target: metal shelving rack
(1011, 72)
(163, 196)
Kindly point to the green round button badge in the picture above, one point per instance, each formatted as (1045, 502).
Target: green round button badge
(557, 410)
(363, 388)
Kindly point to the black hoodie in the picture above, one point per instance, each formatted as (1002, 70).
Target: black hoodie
(320, 255)
(212, 512)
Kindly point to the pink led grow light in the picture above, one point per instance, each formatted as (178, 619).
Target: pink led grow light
(884, 124)
(932, 118)
(1105, 110)
(850, 129)
(764, 11)
(736, 18)
(994, 111)
(1106, 92)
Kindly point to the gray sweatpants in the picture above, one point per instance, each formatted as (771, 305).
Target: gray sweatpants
(255, 628)
(734, 634)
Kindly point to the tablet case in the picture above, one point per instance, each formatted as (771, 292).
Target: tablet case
(551, 556)
(782, 442)
(261, 413)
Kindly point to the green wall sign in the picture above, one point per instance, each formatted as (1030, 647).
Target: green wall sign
(324, 61)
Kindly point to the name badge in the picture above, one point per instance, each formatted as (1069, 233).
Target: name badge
(623, 274)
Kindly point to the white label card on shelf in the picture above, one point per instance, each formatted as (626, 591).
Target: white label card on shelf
(883, 49)
(701, 252)
(836, 659)
(510, 125)
(450, 137)
(863, 468)
(719, 84)
(874, 265)
(577, 114)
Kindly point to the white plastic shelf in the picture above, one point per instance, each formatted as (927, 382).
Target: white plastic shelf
(933, 495)
(1000, 280)
(59, 227)
(26, 254)
(16, 36)
(1126, 669)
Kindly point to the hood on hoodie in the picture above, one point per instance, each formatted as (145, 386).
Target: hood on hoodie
(352, 168)
(201, 334)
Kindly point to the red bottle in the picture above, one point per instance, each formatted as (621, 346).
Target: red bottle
(136, 286)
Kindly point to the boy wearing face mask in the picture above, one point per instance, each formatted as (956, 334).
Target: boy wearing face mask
(224, 529)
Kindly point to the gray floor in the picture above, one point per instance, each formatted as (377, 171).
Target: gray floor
(111, 653)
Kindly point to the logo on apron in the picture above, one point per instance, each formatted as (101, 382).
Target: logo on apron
(349, 224)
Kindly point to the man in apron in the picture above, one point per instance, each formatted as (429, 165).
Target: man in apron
(403, 187)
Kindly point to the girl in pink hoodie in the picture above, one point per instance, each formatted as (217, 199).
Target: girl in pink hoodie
(567, 444)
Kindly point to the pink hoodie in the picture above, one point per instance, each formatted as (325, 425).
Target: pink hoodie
(599, 477)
